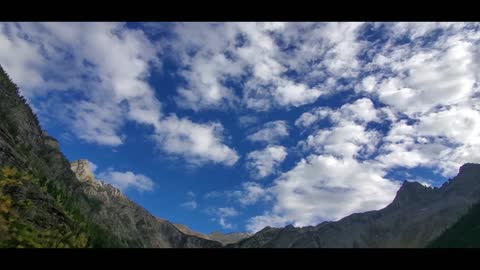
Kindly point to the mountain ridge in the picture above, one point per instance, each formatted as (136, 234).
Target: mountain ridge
(417, 215)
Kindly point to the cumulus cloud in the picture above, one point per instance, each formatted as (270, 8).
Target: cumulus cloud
(431, 142)
(266, 161)
(344, 140)
(270, 132)
(251, 193)
(360, 111)
(198, 142)
(126, 180)
(323, 187)
(214, 54)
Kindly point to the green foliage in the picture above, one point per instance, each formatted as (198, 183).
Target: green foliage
(465, 233)
(16, 231)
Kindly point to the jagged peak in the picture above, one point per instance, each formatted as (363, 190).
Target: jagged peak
(410, 191)
(411, 185)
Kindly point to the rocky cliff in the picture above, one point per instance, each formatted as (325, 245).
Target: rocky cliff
(417, 215)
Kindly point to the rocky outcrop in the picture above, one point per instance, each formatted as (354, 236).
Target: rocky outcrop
(417, 215)
(82, 171)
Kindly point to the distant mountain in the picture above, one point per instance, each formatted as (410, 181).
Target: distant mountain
(224, 238)
(229, 238)
(43, 203)
(417, 215)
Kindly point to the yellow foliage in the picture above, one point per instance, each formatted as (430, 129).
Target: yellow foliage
(9, 171)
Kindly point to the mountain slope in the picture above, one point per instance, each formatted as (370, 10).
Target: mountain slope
(416, 216)
(465, 233)
(124, 218)
(42, 199)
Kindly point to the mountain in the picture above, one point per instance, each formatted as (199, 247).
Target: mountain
(228, 238)
(417, 216)
(43, 203)
(224, 238)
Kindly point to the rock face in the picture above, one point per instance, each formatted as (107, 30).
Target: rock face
(67, 197)
(416, 216)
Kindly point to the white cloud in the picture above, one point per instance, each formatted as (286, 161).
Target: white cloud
(252, 193)
(257, 223)
(348, 136)
(266, 161)
(190, 204)
(421, 79)
(221, 215)
(309, 118)
(107, 64)
(323, 187)
(344, 140)
(247, 120)
(361, 111)
(125, 180)
(445, 140)
(199, 143)
(214, 53)
(271, 132)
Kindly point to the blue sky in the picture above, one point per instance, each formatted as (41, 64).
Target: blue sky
(236, 126)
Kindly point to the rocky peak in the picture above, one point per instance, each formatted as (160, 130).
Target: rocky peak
(410, 194)
(468, 167)
(82, 170)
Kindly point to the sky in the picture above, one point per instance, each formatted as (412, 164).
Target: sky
(237, 126)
